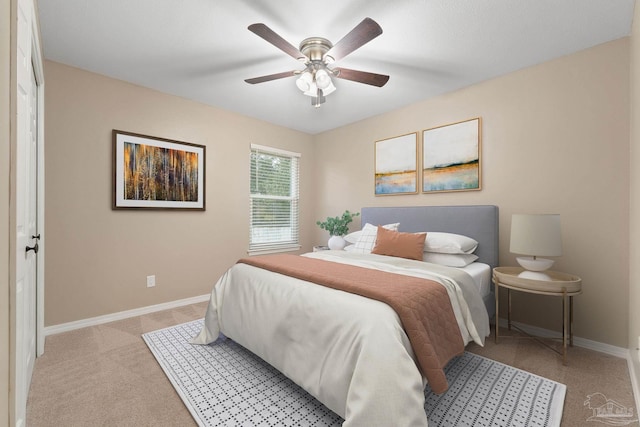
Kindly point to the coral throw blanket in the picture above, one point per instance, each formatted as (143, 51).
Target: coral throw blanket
(423, 305)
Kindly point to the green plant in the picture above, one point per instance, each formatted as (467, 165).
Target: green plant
(338, 225)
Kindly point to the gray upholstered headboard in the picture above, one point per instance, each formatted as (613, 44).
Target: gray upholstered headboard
(479, 222)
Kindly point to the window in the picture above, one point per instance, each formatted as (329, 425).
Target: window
(273, 200)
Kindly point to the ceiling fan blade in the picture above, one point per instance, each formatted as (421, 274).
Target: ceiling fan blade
(362, 34)
(269, 35)
(372, 79)
(270, 77)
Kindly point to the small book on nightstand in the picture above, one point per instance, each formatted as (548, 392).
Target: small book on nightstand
(320, 248)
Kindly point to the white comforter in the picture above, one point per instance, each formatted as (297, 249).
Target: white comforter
(349, 352)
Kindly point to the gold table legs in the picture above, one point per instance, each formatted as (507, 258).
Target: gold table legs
(567, 321)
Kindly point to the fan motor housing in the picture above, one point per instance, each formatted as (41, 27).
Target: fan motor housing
(314, 48)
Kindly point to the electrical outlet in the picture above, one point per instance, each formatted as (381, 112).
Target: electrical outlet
(151, 281)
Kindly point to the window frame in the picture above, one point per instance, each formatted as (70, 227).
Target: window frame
(294, 197)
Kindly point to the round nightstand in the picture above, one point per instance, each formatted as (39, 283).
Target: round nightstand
(560, 285)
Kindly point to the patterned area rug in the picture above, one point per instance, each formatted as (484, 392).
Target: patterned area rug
(223, 384)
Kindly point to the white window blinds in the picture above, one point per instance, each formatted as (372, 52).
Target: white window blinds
(273, 200)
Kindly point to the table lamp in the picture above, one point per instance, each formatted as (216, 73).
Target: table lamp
(535, 236)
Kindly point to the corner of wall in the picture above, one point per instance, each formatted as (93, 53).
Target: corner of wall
(634, 207)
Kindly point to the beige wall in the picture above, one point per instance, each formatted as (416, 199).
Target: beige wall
(555, 140)
(98, 259)
(5, 202)
(634, 255)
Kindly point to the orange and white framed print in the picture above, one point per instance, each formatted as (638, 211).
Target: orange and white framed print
(157, 173)
(396, 165)
(451, 157)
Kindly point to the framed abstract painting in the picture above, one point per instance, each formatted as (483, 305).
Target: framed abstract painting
(157, 173)
(396, 165)
(451, 157)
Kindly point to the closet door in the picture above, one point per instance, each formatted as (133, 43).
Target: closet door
(24, 304)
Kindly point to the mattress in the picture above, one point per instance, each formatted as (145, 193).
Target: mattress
(481, 274)
(479, 271)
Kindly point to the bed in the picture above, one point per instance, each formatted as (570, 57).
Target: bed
(352, 353)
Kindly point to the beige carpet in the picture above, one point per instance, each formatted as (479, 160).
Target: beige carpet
(106, 376)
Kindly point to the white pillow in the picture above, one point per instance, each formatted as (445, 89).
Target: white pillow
(353, 237)
(367, 239)
(449, 243)
(450, 260)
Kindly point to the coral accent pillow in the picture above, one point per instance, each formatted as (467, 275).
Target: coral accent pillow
(366, 238)
(403, 245)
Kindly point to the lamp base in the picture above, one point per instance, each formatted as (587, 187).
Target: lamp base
(534, 263)
(534, 267)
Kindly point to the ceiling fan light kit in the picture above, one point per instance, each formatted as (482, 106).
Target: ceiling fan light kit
(317, 53)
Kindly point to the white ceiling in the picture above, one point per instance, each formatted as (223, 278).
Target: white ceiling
(202, 50)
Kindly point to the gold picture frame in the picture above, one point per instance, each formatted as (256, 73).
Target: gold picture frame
(396, 165)
(451, 157)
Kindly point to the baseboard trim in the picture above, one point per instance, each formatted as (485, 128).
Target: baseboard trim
(121, 315)
(611, 350)
(634, 379)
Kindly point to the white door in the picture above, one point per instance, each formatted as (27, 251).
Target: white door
(26, 212)
(31, 249)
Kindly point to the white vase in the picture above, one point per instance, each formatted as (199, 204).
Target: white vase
(337, 243)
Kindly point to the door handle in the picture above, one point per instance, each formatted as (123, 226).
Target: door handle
(33, 248)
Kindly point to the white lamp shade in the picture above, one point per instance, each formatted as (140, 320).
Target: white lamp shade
(322, 79)
(536, 235)
(329, 89)
(305, 81)
(313, 90)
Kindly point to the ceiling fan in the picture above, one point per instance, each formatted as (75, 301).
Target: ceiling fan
(317, 54)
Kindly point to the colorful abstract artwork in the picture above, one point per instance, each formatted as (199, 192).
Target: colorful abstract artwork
(451, 157)
(396, 170)
(151, 172)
